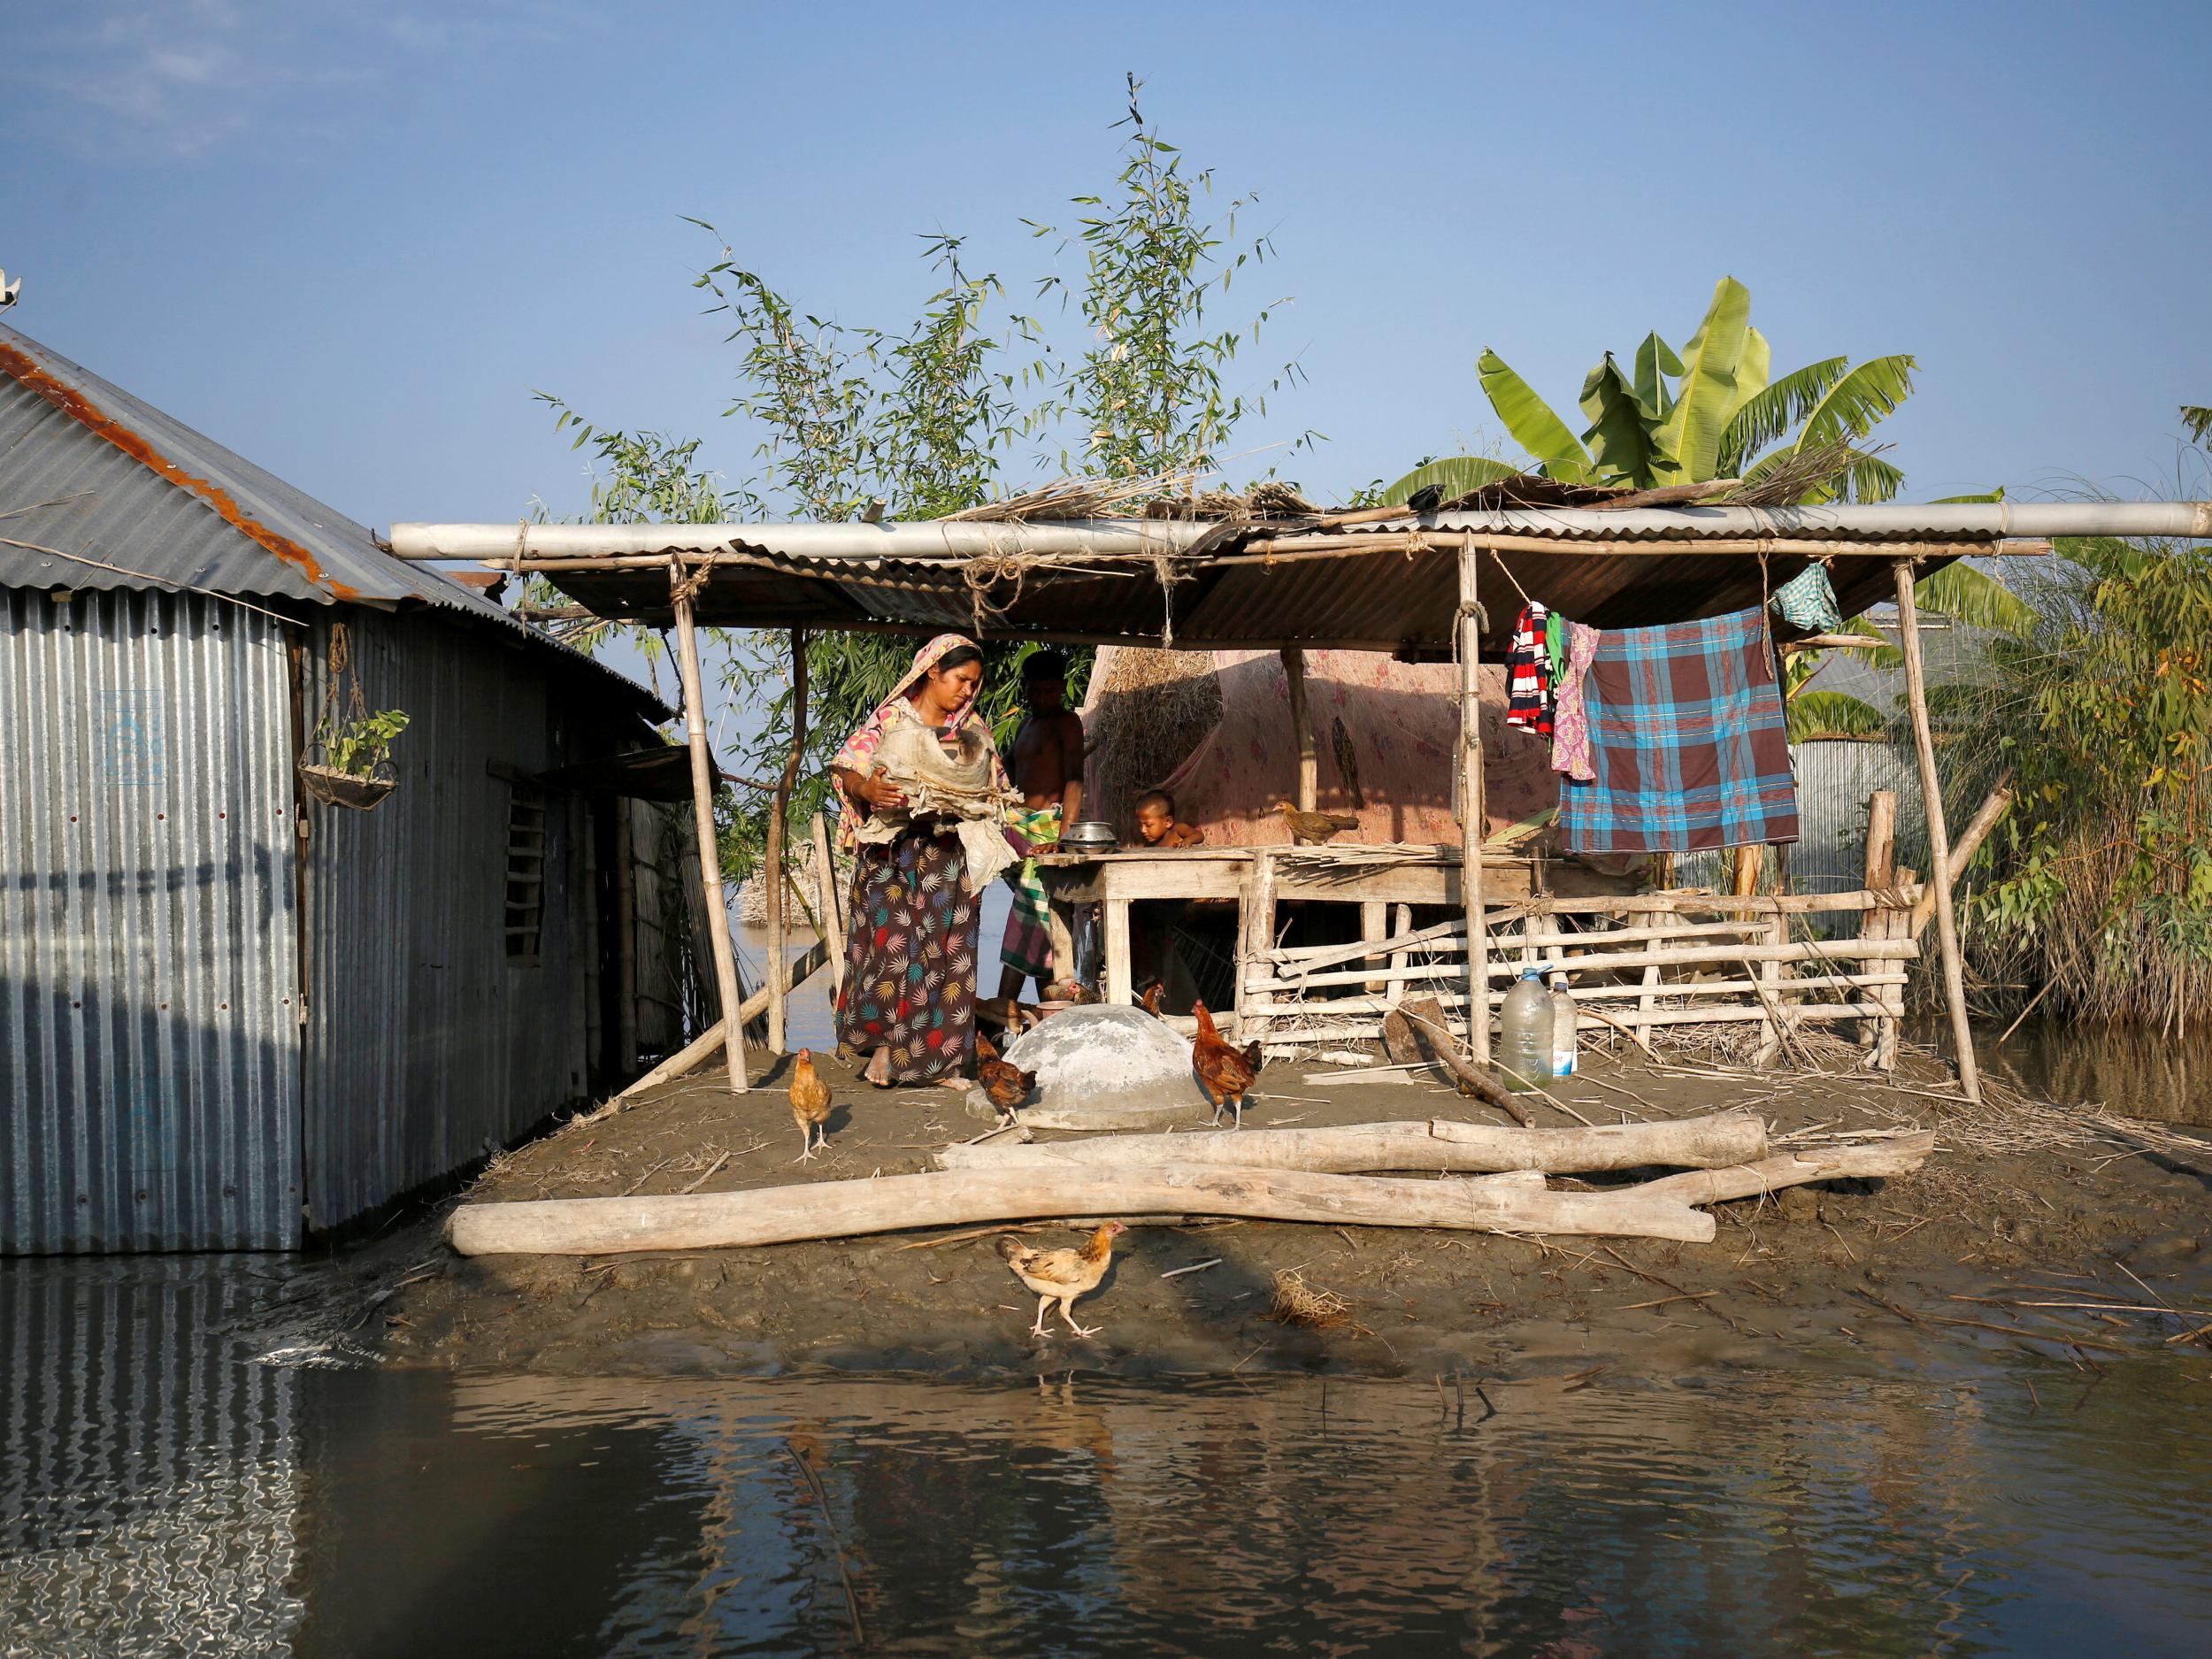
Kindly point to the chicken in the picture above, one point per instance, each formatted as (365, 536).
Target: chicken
(1224, 1072)
(1062, 1276)
(1005, 1084)
(1150, 1001)
(1347, 763)
(1310, 829)
(809, 1103)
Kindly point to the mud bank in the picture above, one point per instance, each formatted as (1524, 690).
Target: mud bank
(2022, 1202)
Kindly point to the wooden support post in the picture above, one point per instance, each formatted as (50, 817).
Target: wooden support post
(1938, 837)
(1301, 729)
(1473, 819)
(1374, 924)
(1880, 1036)
(703, 823)
(1120, 975)
(1255, 938)
(625, 940)
(1394, 991)
(772, 871)
(829, 902)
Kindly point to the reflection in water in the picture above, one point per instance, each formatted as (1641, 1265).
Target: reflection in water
(159, 1494)
(2142, 1073)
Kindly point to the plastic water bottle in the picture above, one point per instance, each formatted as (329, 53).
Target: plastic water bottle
(1525, 1033)
(1562, 1028)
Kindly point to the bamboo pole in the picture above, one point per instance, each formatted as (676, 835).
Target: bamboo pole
(1302, 731)
(1985, 820)
(1714, 1142)
(829, 902)
(703, 823)
(1881, 872)
(1938, 837)
(1473, 813)
(779, 970)
(1515, 1202)
(1718, 953)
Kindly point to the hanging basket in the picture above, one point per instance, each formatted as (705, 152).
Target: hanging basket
(334, 788)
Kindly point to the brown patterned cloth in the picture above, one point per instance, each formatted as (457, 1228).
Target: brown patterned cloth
(909, 957)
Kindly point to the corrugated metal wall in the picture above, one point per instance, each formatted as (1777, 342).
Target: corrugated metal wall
(1833, 782)
(148, 945)
(426, 1045)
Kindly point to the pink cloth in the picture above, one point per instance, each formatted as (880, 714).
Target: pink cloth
(854, 755)
(1402, 719)
(1570, 717)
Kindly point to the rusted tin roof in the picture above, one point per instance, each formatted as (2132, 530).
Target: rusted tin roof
(115, 494)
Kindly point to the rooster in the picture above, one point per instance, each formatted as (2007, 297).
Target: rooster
(1224, 1072)
(1062, 1276)
(810, 1104)
(1310, 829)
(1005, 1084)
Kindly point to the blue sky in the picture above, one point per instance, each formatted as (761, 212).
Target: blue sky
(349, 241)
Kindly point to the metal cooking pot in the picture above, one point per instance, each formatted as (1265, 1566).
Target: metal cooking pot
(1091, 836)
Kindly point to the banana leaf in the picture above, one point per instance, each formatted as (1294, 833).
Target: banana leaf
(1762, 418)
(1455, 474)
(1531, 422)
(1623, 437)
(1654, 361)
(1815, 715)
(1691, 435)
(1849, 409)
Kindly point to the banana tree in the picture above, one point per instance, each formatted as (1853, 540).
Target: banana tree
(1711, 411)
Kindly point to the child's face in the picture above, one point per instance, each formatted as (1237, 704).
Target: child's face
(1152, 821)
(1047, 696)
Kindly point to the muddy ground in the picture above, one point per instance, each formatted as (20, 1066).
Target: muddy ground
(2021, 1203)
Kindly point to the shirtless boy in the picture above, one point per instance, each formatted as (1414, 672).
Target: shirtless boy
(1156, 824)
(1047, 765)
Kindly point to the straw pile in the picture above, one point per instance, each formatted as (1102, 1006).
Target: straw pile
(1155, 708)
(1297, 1302)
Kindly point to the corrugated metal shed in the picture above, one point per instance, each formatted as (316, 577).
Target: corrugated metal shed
(74, 453)
(426, 1045)
(148, 945)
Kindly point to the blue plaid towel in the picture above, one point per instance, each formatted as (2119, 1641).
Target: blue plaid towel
(1688, 740)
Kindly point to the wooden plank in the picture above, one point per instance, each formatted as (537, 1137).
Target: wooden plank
(703, 824)
(1118, 977)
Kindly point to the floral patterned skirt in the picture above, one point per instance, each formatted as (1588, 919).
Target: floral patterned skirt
(910, 958)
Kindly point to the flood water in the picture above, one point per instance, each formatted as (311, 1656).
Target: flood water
(162, 1493)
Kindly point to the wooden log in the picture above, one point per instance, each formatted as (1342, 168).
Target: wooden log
(1897, 1154)
(703, 824)
(1717, 1142)
(779, 811)
(1473, 813)
(1255, 934)
(1940, 865)
(901, 1203)
(1433, 1033)
(1302, 731)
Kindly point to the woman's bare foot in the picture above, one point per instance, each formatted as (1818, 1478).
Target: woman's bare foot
(879, 1071)
(953, 1079)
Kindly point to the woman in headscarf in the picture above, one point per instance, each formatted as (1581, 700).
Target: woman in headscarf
(909, 997)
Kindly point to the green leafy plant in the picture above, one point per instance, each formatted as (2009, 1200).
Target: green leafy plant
(1710, 411)
(360, 747)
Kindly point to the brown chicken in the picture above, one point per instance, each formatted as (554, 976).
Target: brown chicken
(810, 1104)
(1224, 1072)
(1310, 829)
(1062, 1276)
(1005, 1084)
(1150, 1001)
(1347, 763)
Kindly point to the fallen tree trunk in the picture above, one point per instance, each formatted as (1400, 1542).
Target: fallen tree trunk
(1516, 1203)
(1898, 1154)
(1720, 1140)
